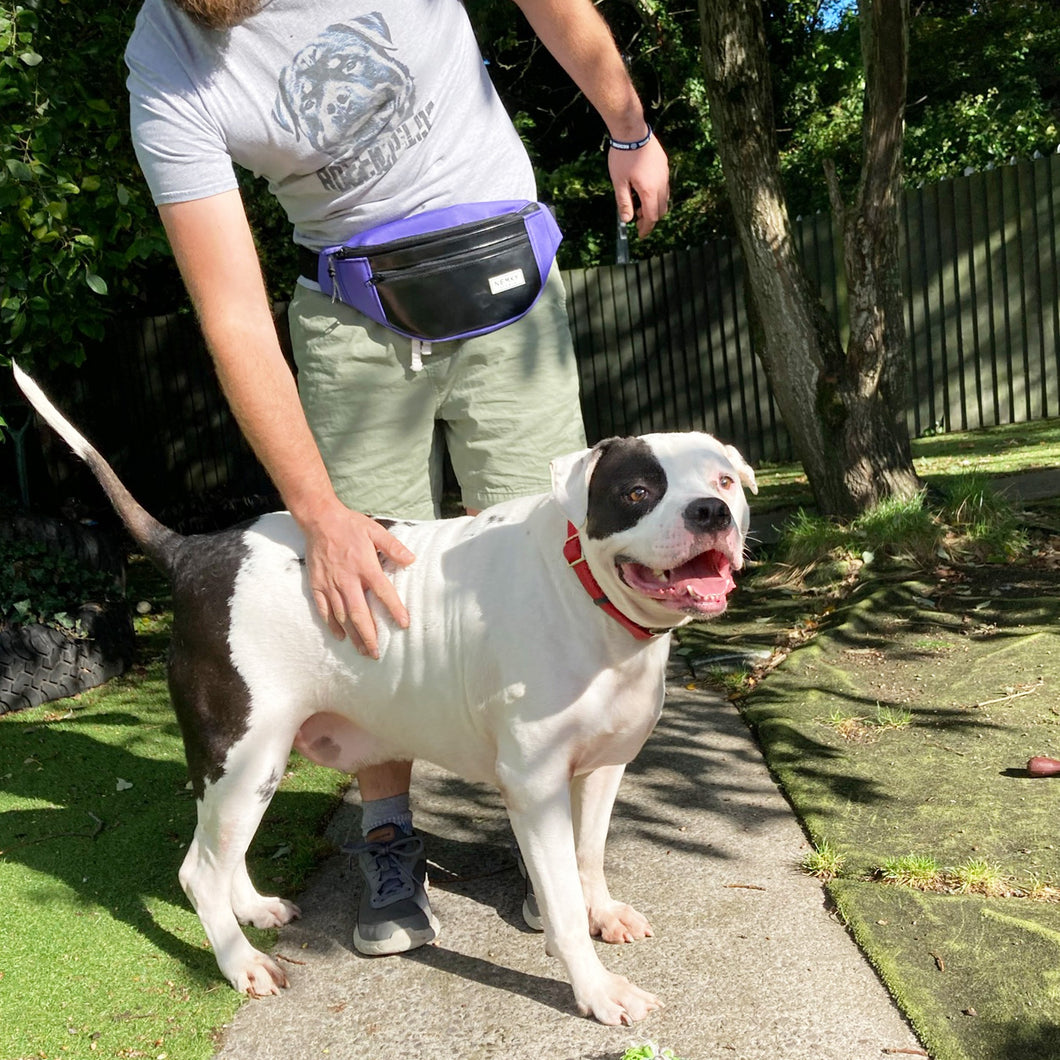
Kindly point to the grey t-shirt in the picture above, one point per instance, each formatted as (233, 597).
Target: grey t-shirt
(356, 112)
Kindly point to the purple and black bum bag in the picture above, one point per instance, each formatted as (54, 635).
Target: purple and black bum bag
(446, 274)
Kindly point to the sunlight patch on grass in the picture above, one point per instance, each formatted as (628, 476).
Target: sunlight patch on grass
(989, 451)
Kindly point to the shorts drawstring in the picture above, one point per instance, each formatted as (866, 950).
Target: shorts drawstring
(420, 348)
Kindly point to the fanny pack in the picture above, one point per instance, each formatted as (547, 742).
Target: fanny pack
(446, 274)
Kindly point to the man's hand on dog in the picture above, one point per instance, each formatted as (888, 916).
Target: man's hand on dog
(343, 561)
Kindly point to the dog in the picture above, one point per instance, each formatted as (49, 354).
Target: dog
(534, 661)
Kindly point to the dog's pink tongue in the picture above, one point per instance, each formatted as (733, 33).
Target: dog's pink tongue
(707, 575)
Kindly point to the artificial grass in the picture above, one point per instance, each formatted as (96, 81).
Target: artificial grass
(976, 675)
(979, 977)
(100, 952)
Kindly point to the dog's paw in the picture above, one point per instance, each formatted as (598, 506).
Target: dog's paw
(269, 913)
(261, 976)
(617, 1002)
(617, 922)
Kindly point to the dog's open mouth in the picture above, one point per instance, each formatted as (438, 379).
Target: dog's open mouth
(699, 586)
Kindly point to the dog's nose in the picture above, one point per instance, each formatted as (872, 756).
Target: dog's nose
(707, 515)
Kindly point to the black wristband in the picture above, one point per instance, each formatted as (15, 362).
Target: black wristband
(629, 145)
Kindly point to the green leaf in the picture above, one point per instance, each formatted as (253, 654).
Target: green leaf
(31, 58)
(96, 282)
(19, 170)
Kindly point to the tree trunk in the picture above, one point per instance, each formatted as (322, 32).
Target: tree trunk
(844, 410)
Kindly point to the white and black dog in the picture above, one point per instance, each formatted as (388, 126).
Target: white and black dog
(535, 661)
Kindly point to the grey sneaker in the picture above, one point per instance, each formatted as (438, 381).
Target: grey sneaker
(531, 913)
(394, 915)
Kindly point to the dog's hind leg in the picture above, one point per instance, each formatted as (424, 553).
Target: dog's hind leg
(592, 797)
(214, 874)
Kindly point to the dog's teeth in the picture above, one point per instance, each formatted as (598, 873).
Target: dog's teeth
(660, 575)
(711, 597)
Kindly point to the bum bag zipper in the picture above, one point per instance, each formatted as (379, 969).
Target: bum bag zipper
(443, 233)
(442, 263)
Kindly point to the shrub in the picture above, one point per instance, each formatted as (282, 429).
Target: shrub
(77, 226)
(47, 585)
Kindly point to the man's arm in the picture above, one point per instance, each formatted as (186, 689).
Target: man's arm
(215, 252)
(581, 42)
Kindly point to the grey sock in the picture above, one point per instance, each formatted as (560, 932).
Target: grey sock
(394, 810)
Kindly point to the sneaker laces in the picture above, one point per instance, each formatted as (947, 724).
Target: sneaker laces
(388, 867)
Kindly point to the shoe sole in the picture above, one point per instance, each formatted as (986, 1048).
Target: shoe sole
(531, 916)
(533, 919)
(401, 941)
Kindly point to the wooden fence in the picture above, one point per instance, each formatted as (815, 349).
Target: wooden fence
(665, 344)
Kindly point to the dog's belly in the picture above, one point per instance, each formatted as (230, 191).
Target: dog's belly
(335, 741)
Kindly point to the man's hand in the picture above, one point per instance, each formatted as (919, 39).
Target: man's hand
(581, 42)
(343, 561)
(646, 172)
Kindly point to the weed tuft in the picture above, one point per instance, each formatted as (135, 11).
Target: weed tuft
(976, 876)
(808, 539)
(983, 525)
(857, 728)
(824, 861)
(965, 520)
(648, 1051)
(849, 726)
(920, 871)
(902, 529)
(893, 718)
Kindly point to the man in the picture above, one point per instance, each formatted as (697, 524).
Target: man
(360, 113)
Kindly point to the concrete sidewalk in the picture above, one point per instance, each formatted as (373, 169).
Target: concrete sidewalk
(746, 956)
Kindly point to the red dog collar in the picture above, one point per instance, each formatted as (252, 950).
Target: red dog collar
(572, 553)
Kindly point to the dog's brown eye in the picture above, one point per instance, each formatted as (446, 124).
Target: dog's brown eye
(726, 482)
(637, 494)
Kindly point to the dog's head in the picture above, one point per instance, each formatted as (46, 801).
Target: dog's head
(662, 519)
(345, 88)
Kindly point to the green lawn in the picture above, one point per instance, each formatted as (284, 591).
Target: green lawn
(994, 451)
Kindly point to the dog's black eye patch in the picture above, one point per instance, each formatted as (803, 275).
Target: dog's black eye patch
(627, 483)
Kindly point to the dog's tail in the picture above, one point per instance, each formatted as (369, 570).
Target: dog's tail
(158, 542)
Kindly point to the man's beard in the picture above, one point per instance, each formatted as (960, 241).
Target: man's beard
(219, 14)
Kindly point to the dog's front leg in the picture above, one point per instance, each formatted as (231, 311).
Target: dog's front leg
(540, 812)
(592, 797)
